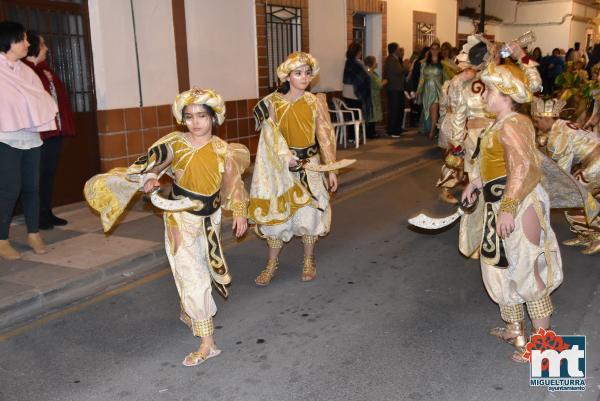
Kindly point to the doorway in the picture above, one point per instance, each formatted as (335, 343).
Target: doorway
(65, 28)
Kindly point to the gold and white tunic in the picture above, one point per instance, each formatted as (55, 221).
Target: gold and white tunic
(577, 151)
(285, 203)
(211, 174)
(510, 169)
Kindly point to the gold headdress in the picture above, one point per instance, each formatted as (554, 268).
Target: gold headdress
(463, 57)
(296, 60)
(507, 83)
(207, 97)
(547, 108)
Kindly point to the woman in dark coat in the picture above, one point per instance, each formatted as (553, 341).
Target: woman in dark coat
(50, 151)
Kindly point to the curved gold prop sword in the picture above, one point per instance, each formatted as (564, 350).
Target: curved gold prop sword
(173, 205)
(433, 223)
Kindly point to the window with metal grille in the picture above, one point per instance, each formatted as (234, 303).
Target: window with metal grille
(284, 36)
(65, 38)
(359, 30)
(424, 34)
(423, 29)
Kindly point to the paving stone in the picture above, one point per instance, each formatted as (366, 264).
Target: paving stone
(90, 250)
(42, 275)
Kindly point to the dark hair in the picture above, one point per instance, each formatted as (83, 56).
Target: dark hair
(370, 61)
(577, 45)
(284, 87)
(477, 53)
(10, 32)
(353, 50)
(430, 58)
(534, 55)
(423, 52)
(214, 121)
(34, 43)
(392, 47)
(556, 50)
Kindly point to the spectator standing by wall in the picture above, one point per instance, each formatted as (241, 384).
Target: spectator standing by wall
(356, 91)
(26, 109)
(376, 85)
(52, 140)
(395, 75)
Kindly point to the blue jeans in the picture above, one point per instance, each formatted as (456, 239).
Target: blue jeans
(19, 175)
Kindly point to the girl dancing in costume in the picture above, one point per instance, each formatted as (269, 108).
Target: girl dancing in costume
(287, 200)
(205, 169)
(520, 258)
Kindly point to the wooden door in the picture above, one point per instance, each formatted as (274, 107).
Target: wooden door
(64, 24)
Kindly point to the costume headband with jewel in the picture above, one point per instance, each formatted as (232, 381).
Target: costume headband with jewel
(297, 60)
(547, 108)
(207, 97)
(506, 82)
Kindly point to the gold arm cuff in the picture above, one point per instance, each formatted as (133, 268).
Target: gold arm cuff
(509, 205)
(240, 209)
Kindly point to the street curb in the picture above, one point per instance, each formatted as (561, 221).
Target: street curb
(134, 267)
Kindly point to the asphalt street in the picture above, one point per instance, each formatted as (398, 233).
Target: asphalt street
(394, 314)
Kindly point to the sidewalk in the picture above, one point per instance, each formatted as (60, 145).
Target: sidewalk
(84, 261)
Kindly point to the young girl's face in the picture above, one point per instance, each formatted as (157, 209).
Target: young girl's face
(495, 102)
(197, 119)
(300, 77)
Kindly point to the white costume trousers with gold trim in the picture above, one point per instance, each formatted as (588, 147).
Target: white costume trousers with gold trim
(516, 284)
(313, 219)
(190, 263)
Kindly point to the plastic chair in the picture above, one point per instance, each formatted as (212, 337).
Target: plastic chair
(341, 109)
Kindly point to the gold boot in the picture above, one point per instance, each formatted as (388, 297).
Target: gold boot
(265, 276)
(36, 243)
(475, 255)
(446, 196)
(7, 251)
(513, 334)
(309, 270)
(593, 247)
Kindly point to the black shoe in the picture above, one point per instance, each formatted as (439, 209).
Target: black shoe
(45, 224)
(57, 221)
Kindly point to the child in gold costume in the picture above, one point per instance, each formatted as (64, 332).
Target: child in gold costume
(204, 168)
(287, 200)
(520, 258)
(577, 151)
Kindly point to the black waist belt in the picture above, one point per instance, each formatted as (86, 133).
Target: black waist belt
(210, 203)
(305, 153)
(492, 246)
(493, 190)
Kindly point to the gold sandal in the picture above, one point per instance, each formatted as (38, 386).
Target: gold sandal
(265, 276)
(516, 337)
(309, 270)
(197, 357)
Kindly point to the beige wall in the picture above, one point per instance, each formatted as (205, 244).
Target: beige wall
(400, 20)
(543, 17)
(327, 38)
(221, 40)
(113, 46)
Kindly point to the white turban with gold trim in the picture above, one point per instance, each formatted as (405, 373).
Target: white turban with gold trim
(296, 60)
(507, 83)
(207, 97)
